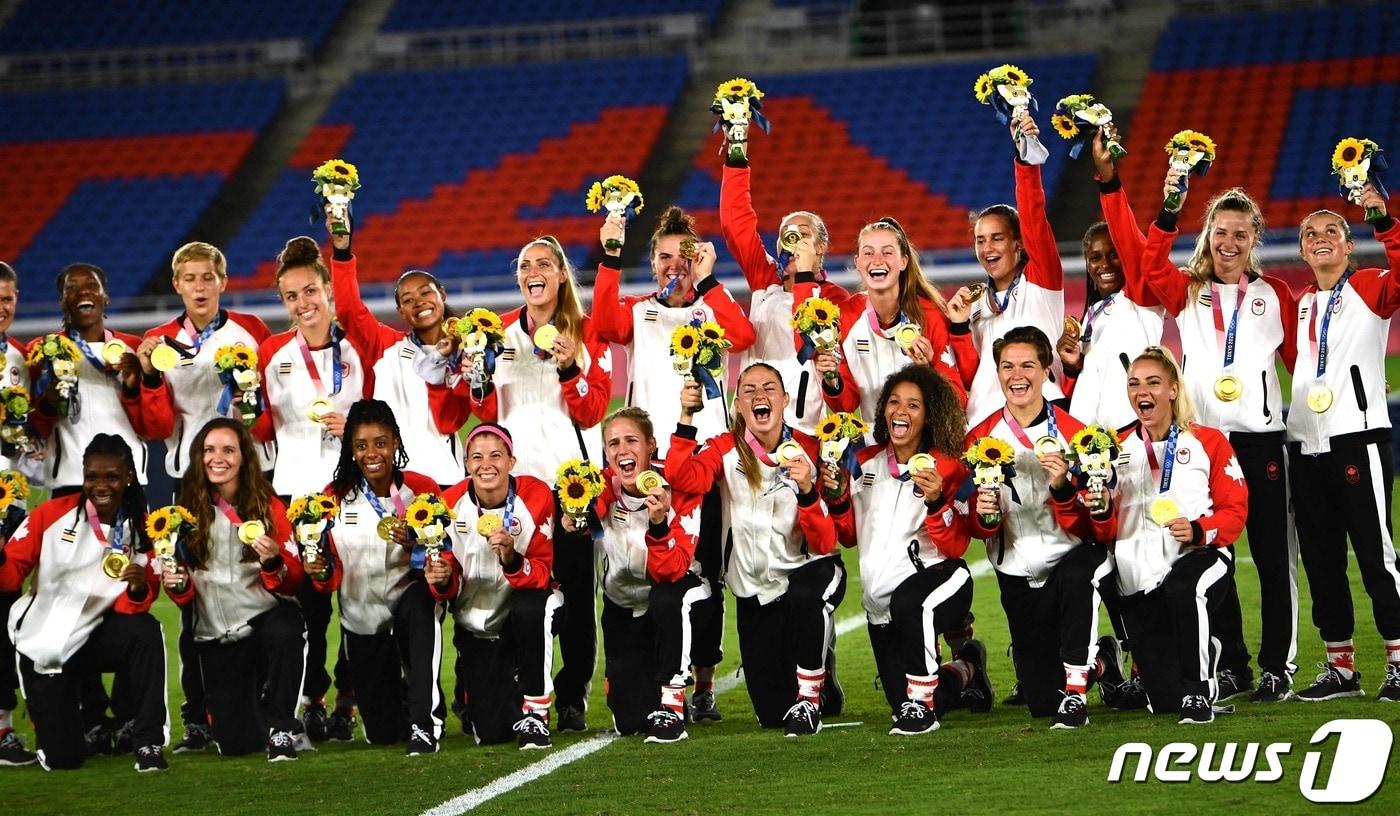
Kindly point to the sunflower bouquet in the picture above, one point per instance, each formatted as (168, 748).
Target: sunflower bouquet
(697, 353)
(14, 501)
(428, 518)
(618, 195)
(1008, 90)
(237, 366)
(837, 432)
(818, 323)
(736, 103)
(56, 356)
(993, 463)
(165, 526)
(481, 336)
(578, 483)
(16, 434)
(1358, 162)
(336, 182)
(312, 516)
(1077, 119)
(1190, 152)
(1095, 450)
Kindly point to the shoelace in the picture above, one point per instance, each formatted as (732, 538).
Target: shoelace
(11, 739)
(280, 739)
(148, 750)
(801, 708)
(530, 724)
(1392, 674)
(1329, 672)
(662, 717)
(913, 710)
(1071, 703)
(1228, 678)
(1270, 682)
(1194, 701)
(418, 733)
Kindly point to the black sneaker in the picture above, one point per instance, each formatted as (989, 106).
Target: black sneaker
(12, 753)
(121, 740)
(1331, 685)
(98, 740)
(149, 759)
(665, 726)
(314, 718)
(802, 720)
(1016, 697)
(1195, 710)
(1073, 712)
(1130, 696)
(340, 726)
(703, 707)
(534, 732)
(1389, 692)
(422, 742)
(1112, 680)
(833, 697)
(977, 695)
(1272, 688)
(281, 746)
(196, 739)
(570, 719)
(1231, 684)
(914, 718)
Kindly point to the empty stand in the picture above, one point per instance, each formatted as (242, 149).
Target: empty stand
(79, 25)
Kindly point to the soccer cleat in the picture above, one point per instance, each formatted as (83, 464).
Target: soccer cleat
(1331, 685)
(571, 719)
(802, 720)
(1195, 710)
(833, 697)
(1272, 688)
(422, 742)
(196, 739)
(1230, 684)
(977, 695)
(1389, 692)
(340, 726)
(98, 740)
(1016, 697)
(703, 707)
(665, 726)
(149, 759)
(281, 746)
(534, 732)
(1073, 712)
(914, 718)
(12, 753)
(122, 738)
(314, 718)
(1111, 682)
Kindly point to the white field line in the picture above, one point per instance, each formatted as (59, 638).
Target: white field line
(558, 759)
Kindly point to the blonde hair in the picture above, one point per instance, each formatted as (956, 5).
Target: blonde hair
(1201, 267)
(912, 283)
(199, 251)
(1183, 407)
(753, 474)
(568, 312)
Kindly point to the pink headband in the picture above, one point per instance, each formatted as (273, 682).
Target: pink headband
(491, 429)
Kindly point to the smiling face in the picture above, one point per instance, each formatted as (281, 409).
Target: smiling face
(629, 449)
(373, 447)
(668, 263)
(222, 458)
(1021, 374)
(998, 249)
(83, 299)
(9, 299)
(105, 478)
(199, 286)
(879, 260)
(304, 294)
(905, 415)
(761, 400)
(489, 463)
(1105, 269)
(1151, 392)
(1232, 238)
(539, 275)
(1323, 242)
(420, 302)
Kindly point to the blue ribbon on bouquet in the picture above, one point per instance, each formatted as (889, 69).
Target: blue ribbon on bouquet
(1004, 109)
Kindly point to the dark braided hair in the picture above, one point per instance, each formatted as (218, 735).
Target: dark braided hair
(365, 412)
(133, 504)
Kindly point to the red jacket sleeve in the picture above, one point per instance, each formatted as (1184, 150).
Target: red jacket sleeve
(728, 314)
(739, 223)
(813, 519)
(22, 550)
(1128, 242)
(157, 405)
(1164, 280)
(126, 605)
(454, 583)
(695, 471)
(1044, 268)
(847, 398)
(670, 555)
(843, 515)
(1376, 286)
(1288, 313)
(287, 578)
(533, 572)
(453, 406)
(612, 313)
(946, 527)
(586, 394)
(951, 353)
(1228, 492)
(367, 335)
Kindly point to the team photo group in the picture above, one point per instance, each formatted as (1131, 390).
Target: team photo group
(476, 467)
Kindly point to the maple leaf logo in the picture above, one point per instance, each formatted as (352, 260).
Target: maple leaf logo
(1234, 471)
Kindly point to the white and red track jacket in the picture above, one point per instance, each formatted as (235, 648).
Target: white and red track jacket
(643, 324)
(1356, 340)
(389, 355)
(1207, 484)
(551, 412)
(771, 305)
(232, 588)
(1268, 321)
(895, 531)
(773, 531)
(16, 372)
(481, 594)
(870, 354)
(1037, 527)
(306, 455)
(369, 573)
(193, 388)
(1037, 298)
(105, 407)
(637, 553)
(70, 593)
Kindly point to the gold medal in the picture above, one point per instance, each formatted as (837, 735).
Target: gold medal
(906, 335)
(790, 238)
(544, 336)
(1047, 445)
(1164, 511)
(1072, 328)
(647, 480)
(114, 563)
(1320, 398)
(317, 409)
(788, 451)
(975, 291)
(112, 351)
(164, 358)
(386, 527)
(921, 461)
(488, 524)
(250, 531)
(1228, 387)
(688, 248)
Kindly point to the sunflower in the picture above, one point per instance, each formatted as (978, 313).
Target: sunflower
(1192, 140)
(594, 200)
(338, 171)
(1091, 439)
(738, 88)
(685, 341)
(18, 482)
(244, 357)
(623, 185)
(1064, 126)
(484, 321)
(855, 426)
(7, 495)
(1009, 73)
(296, 509)
(1349, 153)
(159, 522)
(325, 505)
(420, 512)
(574, 494)
(991, 451)
(1075, 102)
(982, 88)
(829, 428)
(186, 517)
